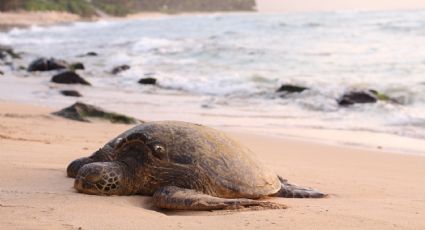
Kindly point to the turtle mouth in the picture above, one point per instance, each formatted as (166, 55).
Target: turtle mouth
(99, 179)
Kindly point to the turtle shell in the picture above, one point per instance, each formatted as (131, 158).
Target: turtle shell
(212, 162)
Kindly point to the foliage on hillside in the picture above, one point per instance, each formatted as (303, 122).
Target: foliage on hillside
(80, 7)
(171, 6)
(123, 7)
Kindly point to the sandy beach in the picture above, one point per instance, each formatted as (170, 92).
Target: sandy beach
(25, 19)
(373, 174)
(369, 189)
(10, 20)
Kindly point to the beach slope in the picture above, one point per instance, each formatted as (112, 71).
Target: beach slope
(369, 190)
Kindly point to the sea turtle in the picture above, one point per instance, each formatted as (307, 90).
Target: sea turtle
(183, 166)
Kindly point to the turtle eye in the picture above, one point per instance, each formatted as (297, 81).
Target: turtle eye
(159, 148)
(159, 151)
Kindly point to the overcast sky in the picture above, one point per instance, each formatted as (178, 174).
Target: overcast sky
(313, 5)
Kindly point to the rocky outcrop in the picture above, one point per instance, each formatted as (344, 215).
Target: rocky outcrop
(43, 64)
(88, 54)
(147, 81)
(286, 88)
(69, 77)
(76, 66)
(6, 51)
(120, 69)
(364, 96)
(87, 113)
(70, 93)
(356, 97)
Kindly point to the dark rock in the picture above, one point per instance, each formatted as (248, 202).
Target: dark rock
(291, 89)
(147, 81)
(84, 112)
(1, 72)
(120, 69)
(88, 54)
(355, 97)
(43, 64)
(69, 77)
(7, 50)
(91, 54)
(365, 96)
(76, 66)
(70, 93)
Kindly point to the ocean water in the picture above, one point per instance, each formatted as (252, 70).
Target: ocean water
(224, 69)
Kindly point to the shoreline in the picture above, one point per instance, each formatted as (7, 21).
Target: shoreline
(362, 139)
(368, 189)
(366, 141)
(22, 19)
(27, 19)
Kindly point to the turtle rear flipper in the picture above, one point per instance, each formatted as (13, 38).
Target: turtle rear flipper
(176, 198)
(293, 191)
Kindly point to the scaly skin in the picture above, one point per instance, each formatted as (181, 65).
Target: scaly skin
(184, 166)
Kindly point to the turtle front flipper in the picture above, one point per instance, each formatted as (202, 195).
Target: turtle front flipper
(176, 198)
(293, 191)
(75, 165)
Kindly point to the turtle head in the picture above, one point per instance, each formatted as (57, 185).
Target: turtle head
(129, 172)
(104, 178)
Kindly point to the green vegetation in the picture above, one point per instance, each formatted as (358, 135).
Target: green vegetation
(113, 7)
(122, 7)
(176, 6)
(80, 7)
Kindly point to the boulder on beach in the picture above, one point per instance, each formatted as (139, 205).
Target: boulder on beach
(88, 54)
(69, 77)
(70, 93)
(91, 54)
(120, 69)
(147, 81)
(8, 51)
(364, 96)
(287, 88)
(76, 66)
(43, 64)
(88, 113)
(356, 97)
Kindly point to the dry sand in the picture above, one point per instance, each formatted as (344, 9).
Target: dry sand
(25, 19)
(369, 190)
(9, 20)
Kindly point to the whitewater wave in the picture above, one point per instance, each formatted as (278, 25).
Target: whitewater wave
(240, 60)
